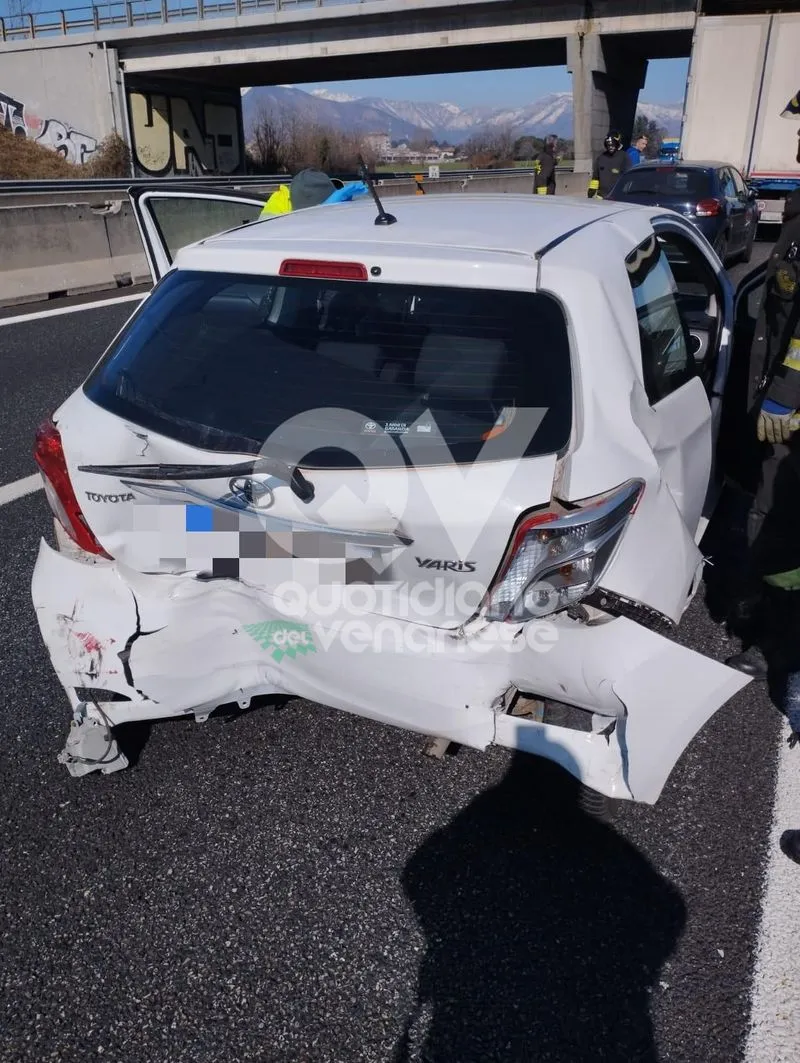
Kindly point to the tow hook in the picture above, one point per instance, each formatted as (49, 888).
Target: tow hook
(91, 745)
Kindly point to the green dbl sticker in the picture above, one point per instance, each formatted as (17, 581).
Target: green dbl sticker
(282, 638)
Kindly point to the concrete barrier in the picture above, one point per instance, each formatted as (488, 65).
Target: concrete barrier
(59, 249)
(67, 249)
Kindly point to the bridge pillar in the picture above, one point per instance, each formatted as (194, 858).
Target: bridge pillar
(606, 79)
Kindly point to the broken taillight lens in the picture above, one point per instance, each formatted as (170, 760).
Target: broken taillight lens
(557, 558)
(49, 455)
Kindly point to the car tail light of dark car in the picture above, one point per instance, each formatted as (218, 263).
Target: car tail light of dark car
(49, 455)
(708, 208)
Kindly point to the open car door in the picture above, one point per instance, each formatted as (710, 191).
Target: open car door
(170, 218)
(705, 300)
(738, 453)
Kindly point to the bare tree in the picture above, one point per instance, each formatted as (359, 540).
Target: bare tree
(287, 142)
(421, 143)
(490, 149)
(266, 147)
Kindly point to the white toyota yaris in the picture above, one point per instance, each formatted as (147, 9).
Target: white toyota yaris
(448, 473)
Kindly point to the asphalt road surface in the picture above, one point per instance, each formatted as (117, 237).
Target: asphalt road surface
(298, 885)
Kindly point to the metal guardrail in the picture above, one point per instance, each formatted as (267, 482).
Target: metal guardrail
(126, 14)
(122, 184)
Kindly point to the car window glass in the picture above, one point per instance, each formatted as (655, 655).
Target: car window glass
(660, 181)
(699, 298)
(666, 361)
(228, 361)
(738, 183)
(183, 221)
(728, 187)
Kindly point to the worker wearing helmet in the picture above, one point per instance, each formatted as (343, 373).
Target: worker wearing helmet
(310, 188)
(609, 165)
(544, 169)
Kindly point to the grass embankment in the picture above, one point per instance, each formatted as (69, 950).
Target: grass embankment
(22, 159)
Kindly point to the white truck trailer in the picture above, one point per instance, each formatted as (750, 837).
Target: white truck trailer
(744, 75)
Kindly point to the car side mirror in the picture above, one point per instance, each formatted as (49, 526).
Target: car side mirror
(752, 194)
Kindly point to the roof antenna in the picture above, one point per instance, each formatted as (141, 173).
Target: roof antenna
(383, 218)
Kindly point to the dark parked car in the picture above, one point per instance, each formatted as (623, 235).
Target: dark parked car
(713, 195)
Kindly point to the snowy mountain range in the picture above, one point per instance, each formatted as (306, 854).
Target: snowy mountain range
(441, 121)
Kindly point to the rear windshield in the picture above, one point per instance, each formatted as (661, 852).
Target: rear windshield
(680, 181)
(225, 361)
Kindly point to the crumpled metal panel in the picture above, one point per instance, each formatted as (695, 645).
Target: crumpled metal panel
(176, 645)
(658, 693)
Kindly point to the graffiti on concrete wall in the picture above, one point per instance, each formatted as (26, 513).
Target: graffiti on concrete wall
(70, 143)
(175, 135)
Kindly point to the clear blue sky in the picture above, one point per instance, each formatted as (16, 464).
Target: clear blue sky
(666, 82)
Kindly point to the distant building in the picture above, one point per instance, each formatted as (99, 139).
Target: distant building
(378, 144)
(403, 153)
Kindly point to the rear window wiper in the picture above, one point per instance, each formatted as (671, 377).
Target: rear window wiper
(281, 470)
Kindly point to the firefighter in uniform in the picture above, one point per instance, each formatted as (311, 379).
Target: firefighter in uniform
(769, 605)
(544, 169)
(774, 518)
(608, 166)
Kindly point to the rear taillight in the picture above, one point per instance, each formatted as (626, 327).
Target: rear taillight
(49, 455)
(708, 208)
(555, 559)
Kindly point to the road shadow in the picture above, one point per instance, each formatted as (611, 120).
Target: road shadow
(725, 547)
(773, 625)
(545, 931)
(133, 737)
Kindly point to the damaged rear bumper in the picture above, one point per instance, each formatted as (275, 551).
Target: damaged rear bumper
(129, 646)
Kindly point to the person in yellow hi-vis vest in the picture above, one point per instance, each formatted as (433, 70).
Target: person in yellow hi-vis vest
(544, 169)
(279, 202)
(310, 188)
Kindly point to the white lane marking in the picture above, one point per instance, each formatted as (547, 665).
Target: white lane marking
(21, 318)
(20, 488)
(775, 1015)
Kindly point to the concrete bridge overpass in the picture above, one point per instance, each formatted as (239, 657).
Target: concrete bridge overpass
(168, 77)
